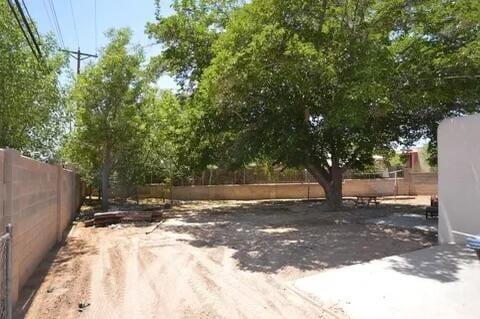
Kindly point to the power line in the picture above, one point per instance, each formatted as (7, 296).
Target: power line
(50, 20)
(30, 19)
(150, 45)
(95, 22)
(29, 29)
(55, 19)
(452, 77)
(74, 22)
(14, 12)
(21, 27)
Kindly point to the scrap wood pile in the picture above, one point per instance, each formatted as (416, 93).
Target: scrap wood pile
(108, 218)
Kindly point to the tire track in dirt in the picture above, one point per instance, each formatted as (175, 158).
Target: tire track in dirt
(244, 294)
(132, 275)
(102, 292)
(115, 279)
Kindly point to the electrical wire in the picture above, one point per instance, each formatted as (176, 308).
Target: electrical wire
(52, 26)
(26, 24)
(95, 23)
(55, 19)
(30, 19)
(74, 23)
(149, 45)
(14, 12)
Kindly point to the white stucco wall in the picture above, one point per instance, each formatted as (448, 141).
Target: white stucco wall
(459, 178)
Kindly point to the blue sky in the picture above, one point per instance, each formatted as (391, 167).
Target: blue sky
(109, 14)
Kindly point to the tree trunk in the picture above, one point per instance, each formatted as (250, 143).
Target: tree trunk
(331, 183)
(333, 194)
(106, 169)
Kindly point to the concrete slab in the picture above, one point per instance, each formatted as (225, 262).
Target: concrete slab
(437, 282)
(408, 221)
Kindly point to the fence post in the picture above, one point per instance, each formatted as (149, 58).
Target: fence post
(9, 229)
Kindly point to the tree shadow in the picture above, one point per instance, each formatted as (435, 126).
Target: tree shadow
(269, 236)
(442, 263)
(55, 263)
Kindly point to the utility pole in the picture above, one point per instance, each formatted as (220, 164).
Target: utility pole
(80, 56)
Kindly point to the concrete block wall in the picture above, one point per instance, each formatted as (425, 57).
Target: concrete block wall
(37, 199)
(412, 184)
(423, 183)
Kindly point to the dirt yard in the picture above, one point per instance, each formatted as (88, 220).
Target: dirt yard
(212, 260)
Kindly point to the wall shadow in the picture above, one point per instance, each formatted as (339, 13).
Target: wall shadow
(442, 263)
(55, 262)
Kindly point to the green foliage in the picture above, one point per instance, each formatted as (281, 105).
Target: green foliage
(164, 118)
(126, 133)
(321, 84)
(188, 36)
(302, 84)
(397, 160)
(437, 47)
(107, 99)
(32, 114)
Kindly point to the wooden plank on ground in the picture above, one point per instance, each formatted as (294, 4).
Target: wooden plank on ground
(108, 218)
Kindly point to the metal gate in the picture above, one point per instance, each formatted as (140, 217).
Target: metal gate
(6, 273)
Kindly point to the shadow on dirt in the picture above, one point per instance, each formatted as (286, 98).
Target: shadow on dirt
(269, 236)
(58, 259)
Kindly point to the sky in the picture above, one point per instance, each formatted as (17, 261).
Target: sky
(76, 20)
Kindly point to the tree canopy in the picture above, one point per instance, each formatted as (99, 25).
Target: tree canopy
(308, 85)
(32, 113)
(326, 84)
(188, 36)
(436, 45)
(322, 85)
(107, 99)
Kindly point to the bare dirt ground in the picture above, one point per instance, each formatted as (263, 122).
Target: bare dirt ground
(229, 259)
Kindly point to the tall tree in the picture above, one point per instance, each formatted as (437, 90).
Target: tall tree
(304, 83)
(326, 84)
(32, 113)
(321, 84)
(107, 99)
